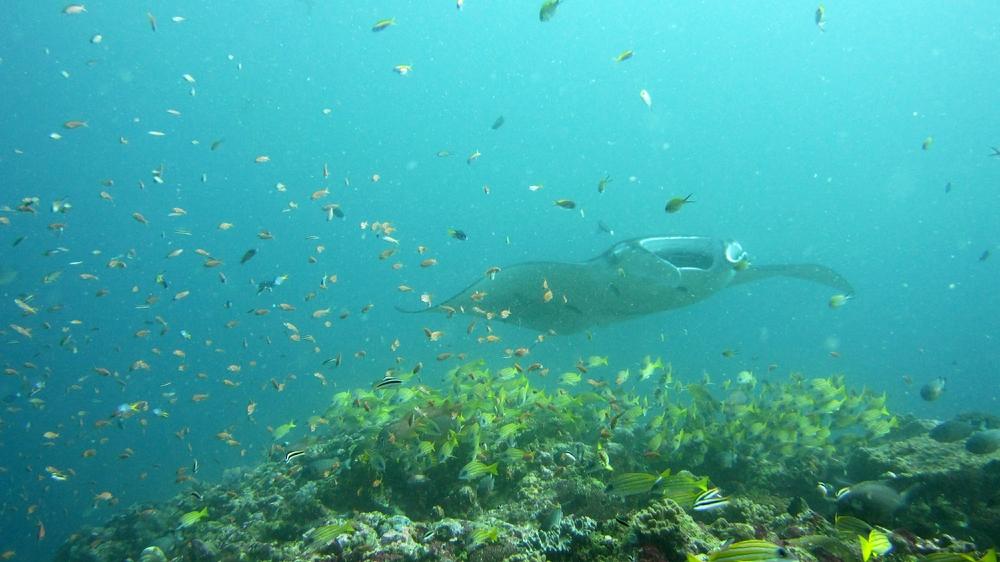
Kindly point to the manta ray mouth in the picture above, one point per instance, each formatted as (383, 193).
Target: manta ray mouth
(693, 252)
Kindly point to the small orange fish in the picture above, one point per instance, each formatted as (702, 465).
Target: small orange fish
(251, 407)
(225, 226)
(433, 336)
(181, 295)
(261, 159)
(320, 194)
(74, 124)
(547, 296)
(321, 313)
(175, 253)
(443, 356)
(140, 218)
(404, 289)
(478, 296)
(198, 397)
(428, 263)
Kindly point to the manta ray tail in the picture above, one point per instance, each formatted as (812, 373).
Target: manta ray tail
(419, 311)
(807, 272)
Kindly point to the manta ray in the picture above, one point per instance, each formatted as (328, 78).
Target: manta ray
(633, 278)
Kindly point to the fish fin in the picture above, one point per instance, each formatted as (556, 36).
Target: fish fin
(807, 272)
(866, 548)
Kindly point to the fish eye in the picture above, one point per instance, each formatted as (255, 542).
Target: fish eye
(783, 552)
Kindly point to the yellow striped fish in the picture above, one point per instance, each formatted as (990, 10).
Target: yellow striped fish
(751, 551)
(875, 545)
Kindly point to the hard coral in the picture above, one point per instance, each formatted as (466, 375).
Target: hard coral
(666, 526)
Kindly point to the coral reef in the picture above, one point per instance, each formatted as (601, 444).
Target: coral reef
(527, 483)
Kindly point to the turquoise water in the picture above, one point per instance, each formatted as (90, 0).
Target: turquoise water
(803, 145)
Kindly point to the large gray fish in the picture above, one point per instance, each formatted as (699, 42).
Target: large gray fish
(873, 502)
(983, 442)
(633, 278)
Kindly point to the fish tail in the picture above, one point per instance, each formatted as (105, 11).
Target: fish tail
(866, 548)
(418, 311)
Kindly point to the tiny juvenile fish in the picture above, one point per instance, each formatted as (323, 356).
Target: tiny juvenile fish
(837, 301)
(677, 203)
(548, 10)
(379, 26)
